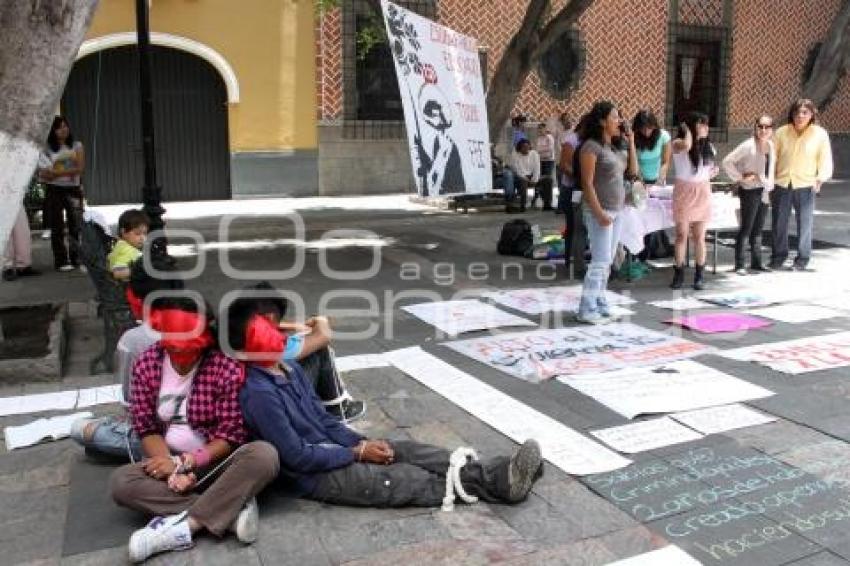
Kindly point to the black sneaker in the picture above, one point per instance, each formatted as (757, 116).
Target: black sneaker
(9, 274)
(348, 410)
(28, 271)
(523, 469)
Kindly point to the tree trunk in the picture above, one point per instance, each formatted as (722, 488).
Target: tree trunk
(38, 44)
(831, 62)
(528, 44)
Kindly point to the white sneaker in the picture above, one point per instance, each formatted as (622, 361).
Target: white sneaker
(66, 268)
(161, 534)
(45, 235)
(247, 523)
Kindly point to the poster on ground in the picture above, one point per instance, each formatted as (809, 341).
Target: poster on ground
(536, 301)
(798, 356)
(542, 354)
(645, 435)
(440, 83)
(562, 446)
(679, 386)
(457, 317)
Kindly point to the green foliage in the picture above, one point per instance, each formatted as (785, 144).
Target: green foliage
(323, 6)
(370, 35)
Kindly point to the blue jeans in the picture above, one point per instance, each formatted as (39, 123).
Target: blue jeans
(115, 437)
(782, 200)
(603, 246)
(514, 184)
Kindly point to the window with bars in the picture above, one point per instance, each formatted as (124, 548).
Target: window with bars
(372, 107)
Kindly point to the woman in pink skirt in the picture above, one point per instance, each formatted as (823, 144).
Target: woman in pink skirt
(693, 158)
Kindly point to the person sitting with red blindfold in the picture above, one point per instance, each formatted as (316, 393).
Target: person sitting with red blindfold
(112, 435)
(308, 344)
(184, 405)
(322, 459)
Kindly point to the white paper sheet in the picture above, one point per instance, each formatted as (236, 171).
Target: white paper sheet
(720, 419)
(796, 314)
(542, 354)
(739, 300)
(681, 304)
(645, 435)
(53, 428)
(798, 356)
(537, 301)
(99, 396)
(561, 445)
(58, 401)
(457, 317)
(678, 386)
(360, 361)
(668, 556)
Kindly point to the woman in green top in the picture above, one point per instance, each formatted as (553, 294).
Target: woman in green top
(653, 157)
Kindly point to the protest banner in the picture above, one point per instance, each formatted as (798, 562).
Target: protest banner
(679, 386)
(798, 356)
(440, 83)
(536, 301)
(457, 317)
(542, 354)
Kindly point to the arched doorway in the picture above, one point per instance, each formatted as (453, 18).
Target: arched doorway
(101, 101)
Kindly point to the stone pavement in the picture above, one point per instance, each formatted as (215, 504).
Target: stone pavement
(701, 496)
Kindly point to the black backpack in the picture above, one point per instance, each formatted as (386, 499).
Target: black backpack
(516, 238)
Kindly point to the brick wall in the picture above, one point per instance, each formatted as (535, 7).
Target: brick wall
(626, 42)
(771, 41)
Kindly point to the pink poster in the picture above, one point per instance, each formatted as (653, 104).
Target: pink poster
(712, 323)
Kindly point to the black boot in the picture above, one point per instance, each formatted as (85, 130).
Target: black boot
(678, 277)
(698, 285)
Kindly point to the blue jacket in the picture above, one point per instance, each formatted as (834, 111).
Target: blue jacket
(285, 411)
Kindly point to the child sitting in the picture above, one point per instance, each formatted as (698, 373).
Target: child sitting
(132, 230)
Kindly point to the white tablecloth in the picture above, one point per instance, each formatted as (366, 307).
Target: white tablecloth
(658, 215)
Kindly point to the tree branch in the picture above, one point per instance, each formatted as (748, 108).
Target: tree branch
(562, 22)
(831, 62)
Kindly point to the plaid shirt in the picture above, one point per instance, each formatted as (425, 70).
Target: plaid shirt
(213, 407)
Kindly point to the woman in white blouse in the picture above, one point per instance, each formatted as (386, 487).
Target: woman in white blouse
(752, 166)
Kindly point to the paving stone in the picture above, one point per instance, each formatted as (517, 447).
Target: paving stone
(828, 460)
(777, 437)
(737, 542)
(360, 537)
(597, 516)
(596, 551)
(476, 522)
(824, 558)
(38, 478)
(436, 433)
(449, 553)
(30, 523)
(105, 557)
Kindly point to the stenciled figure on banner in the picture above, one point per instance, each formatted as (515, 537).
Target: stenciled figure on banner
(443, 97)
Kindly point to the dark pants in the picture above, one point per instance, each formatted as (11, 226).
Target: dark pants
(782, 200)
(544, 186)
(752, 223)
(59, 203)
(416, 479)
(575, 240)
(321, 370)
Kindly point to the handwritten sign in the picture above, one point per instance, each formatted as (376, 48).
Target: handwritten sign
(542, 354)
(738, 300)
(646, 435)
(561, 445)
(440, 81)
(714, 502)
(550, 299)
(679, 386)
(718, 419)
(798, 356)
(796, 314)
(457, 317)
(680, 304)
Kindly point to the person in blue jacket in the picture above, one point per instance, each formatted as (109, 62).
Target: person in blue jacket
(322, 459)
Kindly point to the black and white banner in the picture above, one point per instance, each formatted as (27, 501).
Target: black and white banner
(439, 78)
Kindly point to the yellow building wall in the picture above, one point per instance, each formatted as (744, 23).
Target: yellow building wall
(269, 43)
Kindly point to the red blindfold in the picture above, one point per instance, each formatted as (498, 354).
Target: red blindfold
(181, 330)
(264, 342)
